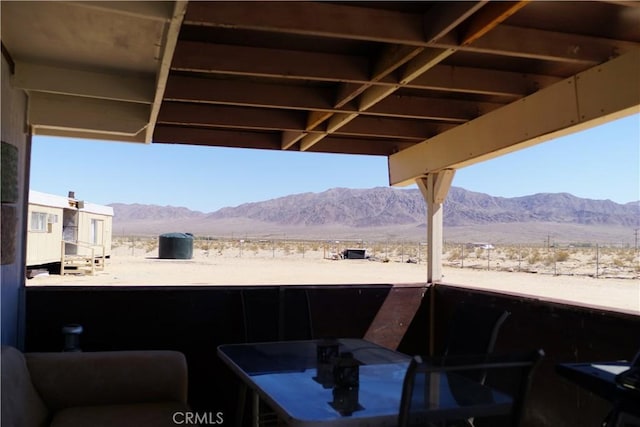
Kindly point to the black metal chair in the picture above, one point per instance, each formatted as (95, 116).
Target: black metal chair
(474, 329)
(440, 391)
(272, 314)
(626, 407)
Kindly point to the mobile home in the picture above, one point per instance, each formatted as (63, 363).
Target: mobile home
(67, 231)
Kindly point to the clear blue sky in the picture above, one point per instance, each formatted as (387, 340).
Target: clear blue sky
(600, 163)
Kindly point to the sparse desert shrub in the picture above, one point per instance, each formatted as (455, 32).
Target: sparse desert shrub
(479, 252)
(376, 249)
(455, 254)
(150, 245)
(618, 262)
(205, 245)
(534, 257)
(512, 253)
(562, 256)
(220, 246)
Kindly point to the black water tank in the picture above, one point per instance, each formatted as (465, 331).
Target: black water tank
(175, 246)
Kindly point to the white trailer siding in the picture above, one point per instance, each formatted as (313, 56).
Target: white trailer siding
(95, 229)
(53, 219)
(44, 234)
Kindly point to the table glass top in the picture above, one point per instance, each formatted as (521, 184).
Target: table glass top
(288, 375)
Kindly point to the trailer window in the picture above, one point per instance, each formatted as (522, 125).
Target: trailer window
(38, 221)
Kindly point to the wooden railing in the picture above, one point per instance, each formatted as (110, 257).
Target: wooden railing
(81, 262)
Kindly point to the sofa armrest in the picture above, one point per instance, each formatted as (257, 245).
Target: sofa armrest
(116, 377)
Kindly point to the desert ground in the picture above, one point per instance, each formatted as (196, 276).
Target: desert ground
(536, 272)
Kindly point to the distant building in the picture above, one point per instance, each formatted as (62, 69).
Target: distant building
(72, 233)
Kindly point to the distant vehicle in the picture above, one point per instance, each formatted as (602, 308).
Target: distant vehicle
(479, 245)
(351, 253)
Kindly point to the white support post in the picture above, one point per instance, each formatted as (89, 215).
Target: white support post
(434, 188)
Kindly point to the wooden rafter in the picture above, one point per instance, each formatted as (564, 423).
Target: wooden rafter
(418, 61)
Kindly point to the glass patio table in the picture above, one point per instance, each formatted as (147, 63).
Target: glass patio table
(303, 393)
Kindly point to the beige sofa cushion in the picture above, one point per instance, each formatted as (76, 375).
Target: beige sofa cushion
(66, 380)
(21, 404)
(147, 414)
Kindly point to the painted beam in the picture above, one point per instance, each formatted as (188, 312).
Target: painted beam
(68, 81)
(256, 61)
(352, 22)
(436, 109)
(598, 95)
(152, 10)
(488, 18)
(102, 136)
(351, 71)
(444, 17)
(390, 60)
(360, 146)
(388, 127)
(548, 45)
(195, 89)
(86, 114)
(168, 46)
(180, 113)
(481, 81)
(216, 137)
(445, 78)
(417, 61)
(309, 18)
(289, 138)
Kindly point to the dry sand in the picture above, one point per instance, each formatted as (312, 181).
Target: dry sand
(136, 267)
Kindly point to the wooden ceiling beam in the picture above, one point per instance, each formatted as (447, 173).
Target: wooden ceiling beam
(254, 61)
(89, 84)
(444, 17)
(437, 109)
(75, 113)
(360, 146)
(233, 92)
(545, 45)
(151, 10)
(489, 18)
(203, 92)
(166, 134)
(481, 81)
(311, 18)
(600, 94)
(165, 55)
(290, 138)
(179, 113)
(417, 61)
(390, 128)
(392, 58)
(351, 71)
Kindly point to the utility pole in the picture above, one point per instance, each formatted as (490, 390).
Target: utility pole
(635, 232)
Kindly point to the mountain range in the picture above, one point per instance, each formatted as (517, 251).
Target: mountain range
(388, 213)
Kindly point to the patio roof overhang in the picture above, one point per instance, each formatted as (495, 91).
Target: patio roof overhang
(432, 85)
